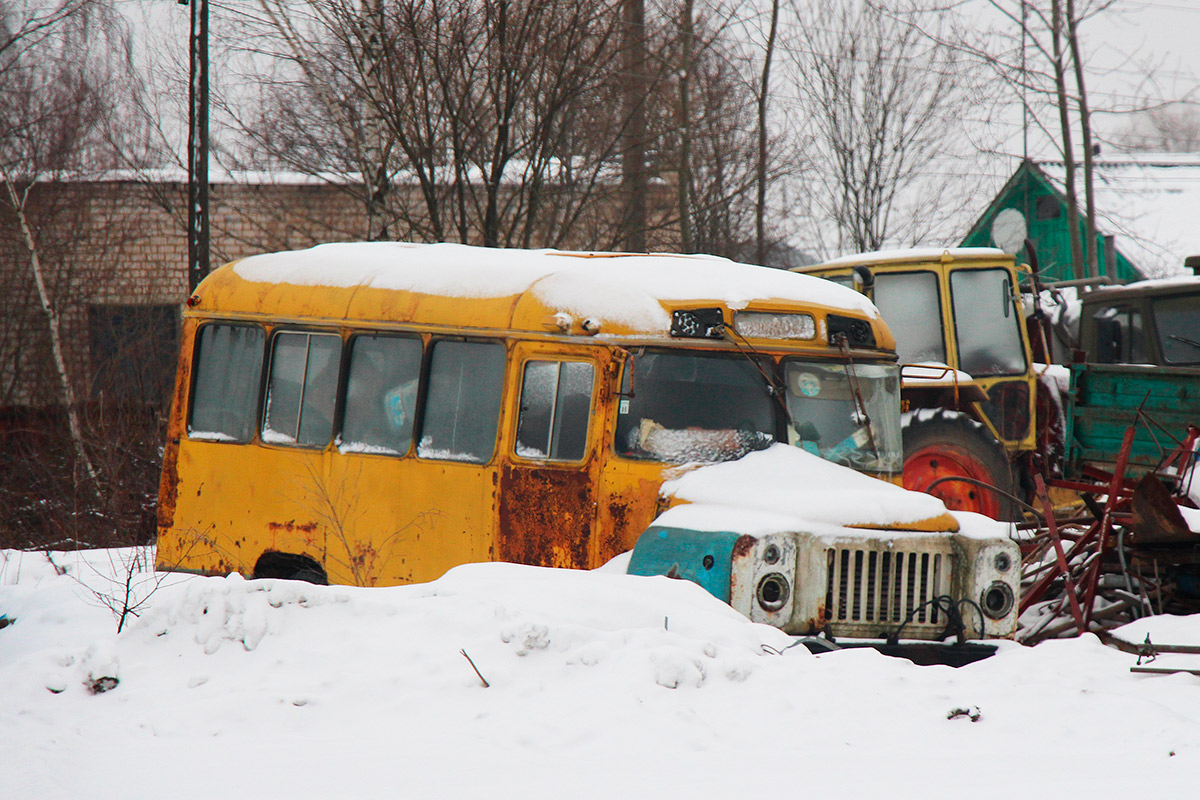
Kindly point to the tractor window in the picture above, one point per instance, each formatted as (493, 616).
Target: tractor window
(680, 407)
(910, 306)
(987, 323)
(1178, 322)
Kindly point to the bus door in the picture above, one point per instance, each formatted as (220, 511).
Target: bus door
(548, 481)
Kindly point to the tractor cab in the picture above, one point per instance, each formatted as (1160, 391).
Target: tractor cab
(968, 388)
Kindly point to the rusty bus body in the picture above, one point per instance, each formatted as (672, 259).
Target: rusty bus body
(374, 414)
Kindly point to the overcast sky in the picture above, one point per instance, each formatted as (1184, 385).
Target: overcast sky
(1136, 52)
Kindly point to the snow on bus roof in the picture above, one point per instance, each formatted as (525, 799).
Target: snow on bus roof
(624, 287)
(918, 254)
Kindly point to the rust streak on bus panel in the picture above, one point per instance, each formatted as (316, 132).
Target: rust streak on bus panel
(168, 487)
(546, 516)
(291, 526)
(613, 543)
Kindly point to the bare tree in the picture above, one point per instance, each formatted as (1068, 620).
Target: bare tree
(1085, 129)
(64, 69)
(724, 162)
(687, 41)
(48, 113)
(635, 85)
(1064, 122)
(1170, 128)
(882, 98)
(704, 127)
(1037, 54)
(496, 120)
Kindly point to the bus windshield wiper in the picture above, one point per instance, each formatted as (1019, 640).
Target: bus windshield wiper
(747, 351)
(860, 405)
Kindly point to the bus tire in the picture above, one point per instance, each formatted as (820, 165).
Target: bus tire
(290, 566)
(940, 446)
(310, 576)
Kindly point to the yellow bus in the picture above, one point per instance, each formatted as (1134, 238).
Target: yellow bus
(376, 413)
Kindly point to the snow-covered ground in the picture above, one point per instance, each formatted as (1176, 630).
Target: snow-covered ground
(601, 685)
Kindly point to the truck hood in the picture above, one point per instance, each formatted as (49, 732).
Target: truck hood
(785, 488)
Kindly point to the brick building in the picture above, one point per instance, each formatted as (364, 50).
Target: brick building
(114, 257)
(114, 253)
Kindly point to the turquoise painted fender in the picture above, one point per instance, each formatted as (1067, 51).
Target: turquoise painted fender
(702, 557)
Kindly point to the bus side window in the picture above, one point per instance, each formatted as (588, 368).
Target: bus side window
(302, 388)
(381, 394)
(226, 383)
(556, 401)
(462, 404)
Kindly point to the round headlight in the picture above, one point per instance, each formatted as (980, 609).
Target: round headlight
(773, 591)
(997, 600)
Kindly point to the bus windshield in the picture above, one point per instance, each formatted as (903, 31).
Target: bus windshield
(848, 414)
(680, 407)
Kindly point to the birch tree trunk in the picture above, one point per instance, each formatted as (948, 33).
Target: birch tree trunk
(60, 364)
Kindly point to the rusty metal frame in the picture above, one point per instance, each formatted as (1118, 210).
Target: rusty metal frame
(1081, 584)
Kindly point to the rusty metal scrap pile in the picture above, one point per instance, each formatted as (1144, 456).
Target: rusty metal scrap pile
(1124, 551)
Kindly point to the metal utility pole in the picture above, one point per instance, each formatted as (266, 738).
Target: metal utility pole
(198, 144)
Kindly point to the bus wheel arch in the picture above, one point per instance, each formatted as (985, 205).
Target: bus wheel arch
(290, 566)
(941, 446)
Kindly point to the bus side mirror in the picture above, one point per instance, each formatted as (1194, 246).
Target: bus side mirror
(864, 281)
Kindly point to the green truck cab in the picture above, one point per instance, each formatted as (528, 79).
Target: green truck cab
(1139, 351)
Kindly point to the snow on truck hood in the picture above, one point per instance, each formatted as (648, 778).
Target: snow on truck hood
(785, 488)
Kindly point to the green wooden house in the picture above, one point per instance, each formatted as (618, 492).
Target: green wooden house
(1147, 212)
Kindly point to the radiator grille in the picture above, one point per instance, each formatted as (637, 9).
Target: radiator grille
(868, 586)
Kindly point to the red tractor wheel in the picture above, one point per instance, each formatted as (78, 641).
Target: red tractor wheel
(940, 447)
